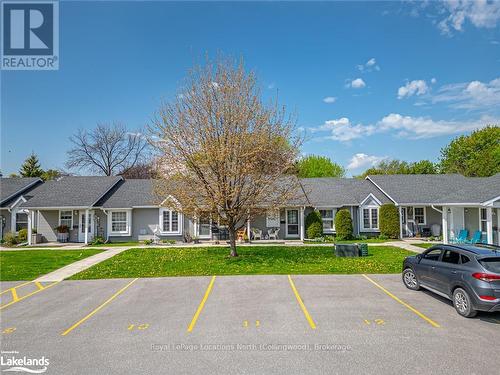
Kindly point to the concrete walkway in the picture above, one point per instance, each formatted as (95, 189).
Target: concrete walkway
(81, 265)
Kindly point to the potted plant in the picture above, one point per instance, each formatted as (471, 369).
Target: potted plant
(62, 233)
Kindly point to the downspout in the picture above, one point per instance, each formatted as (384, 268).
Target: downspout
(438, 210)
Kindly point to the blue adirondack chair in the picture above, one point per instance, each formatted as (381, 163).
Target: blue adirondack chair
(476, 238)
(462, 236)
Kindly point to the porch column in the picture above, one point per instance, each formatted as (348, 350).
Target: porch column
(301, 216)
(400, 222)
(489, 225)
(195, 226)
(86, 227)
(248, 227)
(444, 229)
(30, 224)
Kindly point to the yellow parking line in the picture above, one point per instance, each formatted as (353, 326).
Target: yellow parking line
(302, 306)
(38, 285)
(14, 287)
(412, 309)
(93, 312)
(14, 294)
(202, 303)
(27, 295)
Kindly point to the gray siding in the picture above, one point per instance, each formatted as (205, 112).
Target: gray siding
(471, 220)
(144, 222)
(433, 217)
(5, 221)
(48, 220)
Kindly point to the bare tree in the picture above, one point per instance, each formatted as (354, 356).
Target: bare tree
(107, 149)
(222, 150)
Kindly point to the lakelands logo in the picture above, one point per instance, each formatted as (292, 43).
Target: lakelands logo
(14, 363)
(30, 35)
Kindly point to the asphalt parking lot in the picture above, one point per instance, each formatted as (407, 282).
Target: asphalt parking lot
(244, 324)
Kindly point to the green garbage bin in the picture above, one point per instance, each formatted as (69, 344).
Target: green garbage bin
(363, 249)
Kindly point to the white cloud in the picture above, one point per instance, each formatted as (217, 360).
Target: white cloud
(364, 160)
(357, 83)
(271, 86)
(402, 126)
(369, 66)
(342, 130)
(417, 87)
(470, 95)
(433, 80)
(330, 99)
(480, 13)
(425, 127)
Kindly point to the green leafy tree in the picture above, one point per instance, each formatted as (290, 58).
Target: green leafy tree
(343, 225)
(50, 174)
(314, 225)
(31, 167)
(318, 166)
(389, 221)
(474, 155)
(402, 167)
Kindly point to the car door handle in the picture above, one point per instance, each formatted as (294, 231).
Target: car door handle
(433, 267)
(454, 272)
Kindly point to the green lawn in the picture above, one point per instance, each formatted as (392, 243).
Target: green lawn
(425, 245)
(154, 262)
(30, 264)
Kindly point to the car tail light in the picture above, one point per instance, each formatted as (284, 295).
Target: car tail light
(488, 298)
(488, 277)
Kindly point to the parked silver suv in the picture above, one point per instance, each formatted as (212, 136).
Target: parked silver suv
(469, 275)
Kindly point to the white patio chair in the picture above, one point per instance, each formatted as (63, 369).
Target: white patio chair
(273, 233)
(256, 233)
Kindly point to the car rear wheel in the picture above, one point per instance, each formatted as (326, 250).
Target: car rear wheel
(462, 303)
(410, 279)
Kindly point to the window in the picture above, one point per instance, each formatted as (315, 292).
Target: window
(169, 221)
(119, 221)
(66, 218)
(370, 218)
(483, 222)
(328, 216)
(419, 215)
(273, 218)
(451, 257)
(21, 221)
(433, 254)
(465, 258)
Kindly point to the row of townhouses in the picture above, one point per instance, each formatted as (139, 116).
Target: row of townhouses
(119, 209)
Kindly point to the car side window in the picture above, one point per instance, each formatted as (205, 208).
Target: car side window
(433, 254)
(450, 256)
(464, 258)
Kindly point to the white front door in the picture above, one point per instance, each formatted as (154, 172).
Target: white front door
(81, 227)
(292, 223)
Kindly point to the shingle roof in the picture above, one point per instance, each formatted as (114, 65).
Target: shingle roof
(71, 191)
(12, 188)
(439, 188)
(337, 192)
(130, 193)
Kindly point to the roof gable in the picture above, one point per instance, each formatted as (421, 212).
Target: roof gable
(13, 187)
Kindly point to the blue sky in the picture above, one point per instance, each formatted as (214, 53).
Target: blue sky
(368, 80)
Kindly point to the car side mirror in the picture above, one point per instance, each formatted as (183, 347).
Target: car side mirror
(419, 257)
